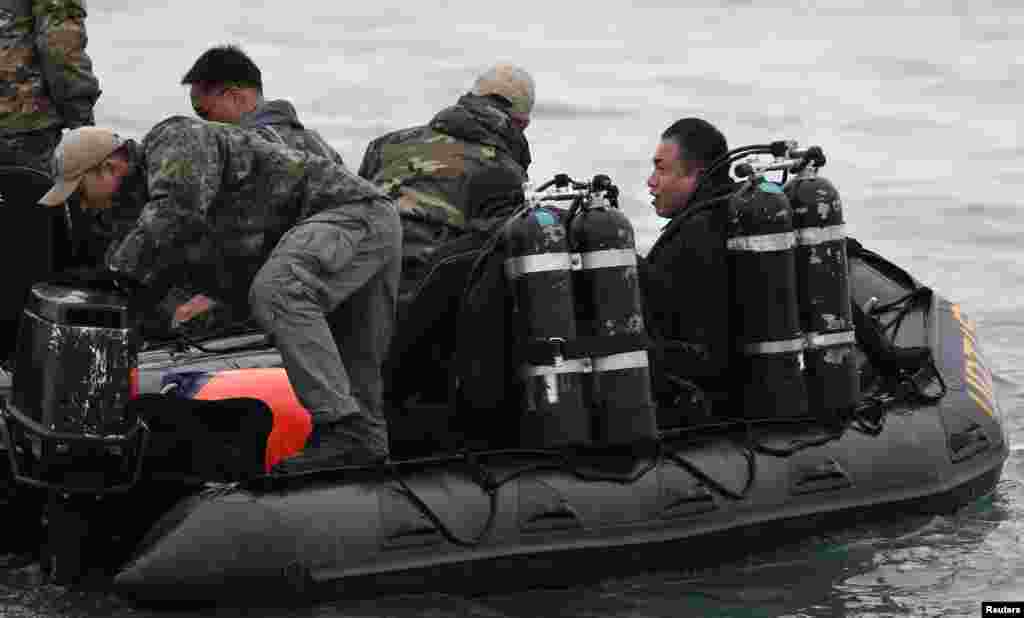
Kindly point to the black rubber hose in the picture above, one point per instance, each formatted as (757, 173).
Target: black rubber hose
(729, 158)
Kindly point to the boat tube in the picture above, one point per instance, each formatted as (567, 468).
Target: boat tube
(474, 521)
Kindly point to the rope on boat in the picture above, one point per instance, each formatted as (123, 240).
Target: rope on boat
(490, 489)
(486, 480)
(693, 469)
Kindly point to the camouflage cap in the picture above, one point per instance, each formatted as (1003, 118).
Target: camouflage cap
(79, 151)
(509, 82)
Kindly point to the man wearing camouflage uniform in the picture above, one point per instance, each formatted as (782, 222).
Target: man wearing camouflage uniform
(227, 86)
(214, 199)
(455, 174)
(47, 81)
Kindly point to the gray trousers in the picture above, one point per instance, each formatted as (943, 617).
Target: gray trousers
(345, 262)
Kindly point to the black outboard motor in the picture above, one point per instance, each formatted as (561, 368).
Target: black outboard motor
(75, 367)
(66, 430)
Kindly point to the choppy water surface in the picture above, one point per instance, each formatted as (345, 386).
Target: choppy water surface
(916, 106)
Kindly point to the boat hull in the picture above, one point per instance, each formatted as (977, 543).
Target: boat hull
(524, 518)
(356, 532)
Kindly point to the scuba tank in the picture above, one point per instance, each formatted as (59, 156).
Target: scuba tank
(823, 291)
(761, 242)
(538, 268)
(610, 315)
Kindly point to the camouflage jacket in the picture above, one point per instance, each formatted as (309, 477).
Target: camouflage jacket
(277, 121)
(455, 173)
(214, 200)
(47, 76)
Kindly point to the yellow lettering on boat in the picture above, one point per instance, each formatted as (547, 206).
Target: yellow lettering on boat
(980, 377)
(977, 377)
(982, 403)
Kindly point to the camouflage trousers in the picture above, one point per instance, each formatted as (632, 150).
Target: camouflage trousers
(33, 149)
(338, 268)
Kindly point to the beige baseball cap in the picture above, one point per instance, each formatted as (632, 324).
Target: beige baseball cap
(510, 82)
(79, 151)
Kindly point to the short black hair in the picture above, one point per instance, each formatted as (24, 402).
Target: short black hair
(225, 64)
(700, 143)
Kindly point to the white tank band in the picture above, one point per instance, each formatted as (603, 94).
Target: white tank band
(606, 258)
(615, 362)
(543, 262)
(767, 242)
(825, 340)
(819, 235)
(574, 365)
(774, 347)
(625, 360)
(539, 262)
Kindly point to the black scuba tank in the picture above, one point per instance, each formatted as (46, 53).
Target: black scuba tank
(768, 338)
(538, 268)
(609, 314)
(823, 294)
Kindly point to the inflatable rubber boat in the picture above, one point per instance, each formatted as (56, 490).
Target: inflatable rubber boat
(155, 466)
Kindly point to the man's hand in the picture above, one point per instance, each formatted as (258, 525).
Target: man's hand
(195, 306)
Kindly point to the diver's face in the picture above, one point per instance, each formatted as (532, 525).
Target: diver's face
(672, 182)
(216, 102)
(99, 186)
(520, 120)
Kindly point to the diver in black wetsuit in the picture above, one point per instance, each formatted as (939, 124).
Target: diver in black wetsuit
(684, 277)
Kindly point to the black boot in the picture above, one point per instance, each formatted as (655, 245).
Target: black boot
(329, 446)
